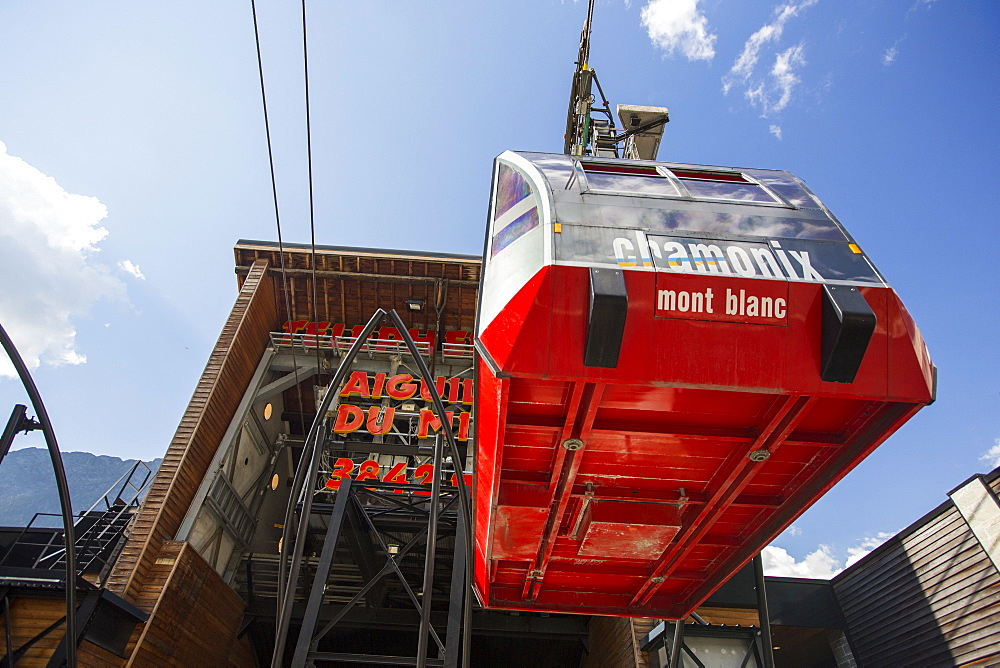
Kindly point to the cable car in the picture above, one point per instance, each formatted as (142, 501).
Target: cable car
(675, 361)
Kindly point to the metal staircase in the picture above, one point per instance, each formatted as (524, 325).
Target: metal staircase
(99, 531)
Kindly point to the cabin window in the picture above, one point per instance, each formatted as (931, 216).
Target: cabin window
(636, 179)
(516, 209)
(722, 185)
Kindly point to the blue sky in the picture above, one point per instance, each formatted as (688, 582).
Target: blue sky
(135, 158)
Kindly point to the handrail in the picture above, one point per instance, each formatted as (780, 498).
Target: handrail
(341, 344)
(88, 547)
(463, 350)
(126, 481)
(87, 543)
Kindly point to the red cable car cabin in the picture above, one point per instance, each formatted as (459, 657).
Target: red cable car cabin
(675, 362)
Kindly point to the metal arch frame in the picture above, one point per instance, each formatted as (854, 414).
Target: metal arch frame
(61, 483)
(307, 464)
(347, 499)
(288, 569)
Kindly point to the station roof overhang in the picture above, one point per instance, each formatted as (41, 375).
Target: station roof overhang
(348, 283)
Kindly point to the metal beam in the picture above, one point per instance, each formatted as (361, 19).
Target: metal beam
(363, 553)
(883, 422)
(8, 640)
(305, 473)
(228, 439)
(427, 592)
(305, 640)
(738, 470)
(372, 658)
(765, 620)
(62, 486)
(297, 521)
(484, 622)
(675, 647)
(383, 448)
(84, 613)
(358, 276)
(391, 565)
(286, 382)
(458, 460)
(456, 599)
(579, 421)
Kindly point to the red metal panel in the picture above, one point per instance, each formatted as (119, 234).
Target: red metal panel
(659, 502)
(628, 530)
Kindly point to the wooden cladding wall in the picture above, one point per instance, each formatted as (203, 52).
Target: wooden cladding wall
(216, 397)
(730, 616)
(614, 642)
(195, 618)
(351, 285)
(610, 643)
(31, 616)
(930, 596)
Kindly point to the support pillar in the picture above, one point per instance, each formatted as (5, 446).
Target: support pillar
(978, 504)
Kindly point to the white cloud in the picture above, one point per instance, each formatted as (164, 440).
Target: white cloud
(129, 267)
(822, 563)
(678, 25)
(771, 92)
(48, 240)
(992, 456)
(818, 564)
(926, 4)
(773, 95)
(890, 54)
(776, 131)
(745, 63)
(784, 77)
(866, 545)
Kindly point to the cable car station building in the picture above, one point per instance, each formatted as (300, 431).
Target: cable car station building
(214, 515)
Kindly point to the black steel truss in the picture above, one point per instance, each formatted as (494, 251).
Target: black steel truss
(378, 511)
(371, 508)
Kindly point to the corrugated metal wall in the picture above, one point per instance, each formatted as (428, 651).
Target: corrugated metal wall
(928, 597)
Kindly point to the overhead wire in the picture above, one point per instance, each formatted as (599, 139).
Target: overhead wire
(309, 160)
(277, 219)
(282, 585)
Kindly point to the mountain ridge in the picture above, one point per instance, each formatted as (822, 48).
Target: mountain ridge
(29, 485)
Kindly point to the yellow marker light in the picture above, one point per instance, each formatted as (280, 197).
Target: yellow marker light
(854, 249)
(557, 227)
